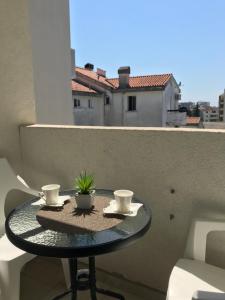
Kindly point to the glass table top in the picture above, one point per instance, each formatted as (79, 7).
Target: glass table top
(24, 231)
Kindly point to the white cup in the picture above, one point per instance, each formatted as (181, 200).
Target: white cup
(123, 200)
(50, 193)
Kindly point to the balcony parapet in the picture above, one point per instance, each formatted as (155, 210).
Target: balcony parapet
(177, 171)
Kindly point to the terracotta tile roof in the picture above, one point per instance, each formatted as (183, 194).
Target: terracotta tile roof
(144, 81)
(134, 82)
(193, 120)
(77, 87)
(93, 75)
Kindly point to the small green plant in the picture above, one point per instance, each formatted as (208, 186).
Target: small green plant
(84, 183)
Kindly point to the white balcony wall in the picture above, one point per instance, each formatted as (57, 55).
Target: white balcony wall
(50, 40)
(35, 69)
(16, 77)
(152, 163)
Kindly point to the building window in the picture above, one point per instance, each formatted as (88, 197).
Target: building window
(76, 103)
(90, 104)
(131, 103)
(107, 100)
(177, 96)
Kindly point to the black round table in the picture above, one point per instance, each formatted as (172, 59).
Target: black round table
(25, 232)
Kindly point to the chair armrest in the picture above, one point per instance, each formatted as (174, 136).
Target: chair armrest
(197, 238)
(203, 295)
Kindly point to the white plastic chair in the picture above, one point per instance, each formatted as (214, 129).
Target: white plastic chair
(12, 258)
(192, 278)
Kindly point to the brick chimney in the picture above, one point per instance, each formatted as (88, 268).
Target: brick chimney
(101, 72)
(89, 67)
(124, 74)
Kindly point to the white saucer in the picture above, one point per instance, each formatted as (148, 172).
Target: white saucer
(55, 205)
(111, 209)
(62, 199)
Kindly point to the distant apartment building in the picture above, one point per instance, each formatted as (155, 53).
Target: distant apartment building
(221, 107)
(188, 105)
(123, 101)
(200, 109)
(203, 104)
(210, 114)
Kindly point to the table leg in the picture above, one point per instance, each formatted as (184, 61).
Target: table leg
(92, 278)
(73, 277)
(85, 279)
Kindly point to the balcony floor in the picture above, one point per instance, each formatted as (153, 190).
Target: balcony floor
(42, 279)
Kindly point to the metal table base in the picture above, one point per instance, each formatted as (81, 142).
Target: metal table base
(85, 279)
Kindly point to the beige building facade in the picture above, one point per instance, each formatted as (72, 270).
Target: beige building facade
(123, 101)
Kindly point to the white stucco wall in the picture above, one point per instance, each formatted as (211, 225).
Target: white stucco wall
(149, 109)
(108, 109)
(84, 115)
(116, 109)
(35, 69)
(16, 77)
(49, 26)
(148, 113)
(151, 162)
(176, 118)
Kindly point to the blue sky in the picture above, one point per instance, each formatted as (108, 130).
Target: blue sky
(186, 38)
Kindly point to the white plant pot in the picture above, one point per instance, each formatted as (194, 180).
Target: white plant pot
(85, 201)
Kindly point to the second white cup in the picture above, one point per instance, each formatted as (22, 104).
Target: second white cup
(50, 193)
(123, 200)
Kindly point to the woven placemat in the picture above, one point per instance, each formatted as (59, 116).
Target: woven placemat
(69, 219)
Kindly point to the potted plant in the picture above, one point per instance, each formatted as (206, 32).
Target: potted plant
(84, 196)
